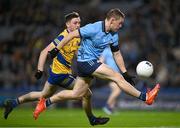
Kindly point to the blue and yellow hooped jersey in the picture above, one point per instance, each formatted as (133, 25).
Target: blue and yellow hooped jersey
(62, 63)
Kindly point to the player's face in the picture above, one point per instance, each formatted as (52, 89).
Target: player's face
(116, 24)
(74, 24)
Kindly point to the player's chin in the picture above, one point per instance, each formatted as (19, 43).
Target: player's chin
(77, 28)
(115, 30)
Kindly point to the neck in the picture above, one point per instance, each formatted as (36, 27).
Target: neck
(107, 25)
(69, 30)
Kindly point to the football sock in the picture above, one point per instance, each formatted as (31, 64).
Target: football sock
(48, 102)
(144, 89)
(142, 96)
(15, 102)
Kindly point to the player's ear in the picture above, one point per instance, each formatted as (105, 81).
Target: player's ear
(112, 19)
(67, 24)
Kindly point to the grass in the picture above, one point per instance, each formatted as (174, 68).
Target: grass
(22, 117)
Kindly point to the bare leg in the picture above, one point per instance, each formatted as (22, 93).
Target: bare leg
(105, 72)
(81, 86)
(115, 92)
(79, 90)
(47, 91)
(86, 103)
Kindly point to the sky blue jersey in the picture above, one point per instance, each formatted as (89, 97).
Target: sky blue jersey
(109, 60)
(94, 40)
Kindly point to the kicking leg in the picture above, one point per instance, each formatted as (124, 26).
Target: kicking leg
(103, 71)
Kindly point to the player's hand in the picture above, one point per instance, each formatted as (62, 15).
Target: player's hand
(53, 53)
(38, 74)
(129, 78)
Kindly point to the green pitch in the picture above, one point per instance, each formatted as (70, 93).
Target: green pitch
(22, 117)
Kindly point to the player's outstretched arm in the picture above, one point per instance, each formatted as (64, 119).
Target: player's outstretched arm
(53, 53)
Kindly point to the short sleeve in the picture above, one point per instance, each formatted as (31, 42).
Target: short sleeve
(115, 45)
(87, 31)
(57, 40)
(115, 40)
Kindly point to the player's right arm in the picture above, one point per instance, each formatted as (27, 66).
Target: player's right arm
(75, 34)
(86, 31)
(42, 60)
(70, 36)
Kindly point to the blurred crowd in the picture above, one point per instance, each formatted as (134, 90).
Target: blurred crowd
(150, 32)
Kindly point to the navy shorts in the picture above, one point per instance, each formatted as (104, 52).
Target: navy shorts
(85, 69)
(63, 80)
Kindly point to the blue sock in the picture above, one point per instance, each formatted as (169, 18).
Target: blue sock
(15, 102)
(142, 96)
(48, 102)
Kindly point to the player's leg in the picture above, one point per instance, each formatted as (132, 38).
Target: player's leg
(114, 95)
(86, 103)
(112, 99)
(10, 104)
(85, 70)
(104, 72)
(47, 91)
(80, 88)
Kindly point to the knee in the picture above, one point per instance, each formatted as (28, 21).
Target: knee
(45, 95)
(117, 92)
(77, 95)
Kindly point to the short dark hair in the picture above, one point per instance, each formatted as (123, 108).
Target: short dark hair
(71, 15)
(116, 13)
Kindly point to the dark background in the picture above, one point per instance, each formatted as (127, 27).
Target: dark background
(150, 32)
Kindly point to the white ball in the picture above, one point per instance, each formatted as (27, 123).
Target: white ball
(144, 69)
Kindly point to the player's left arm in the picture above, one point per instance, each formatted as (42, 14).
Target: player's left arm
(120, 63)
(86, 31)
(119, 60)
(70, 36)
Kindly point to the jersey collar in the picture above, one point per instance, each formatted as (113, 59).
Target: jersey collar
(67, 30)
(104, 30)
(103, 27)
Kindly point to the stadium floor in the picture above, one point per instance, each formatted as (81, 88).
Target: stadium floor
(22, 117)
